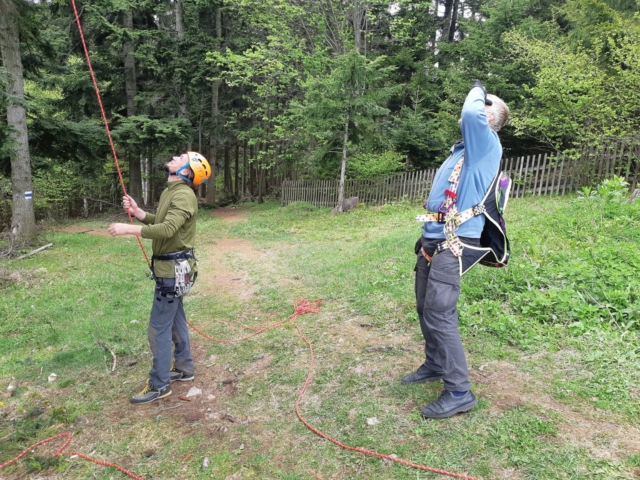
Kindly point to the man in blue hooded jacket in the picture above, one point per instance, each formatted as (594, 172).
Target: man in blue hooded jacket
(438, 270)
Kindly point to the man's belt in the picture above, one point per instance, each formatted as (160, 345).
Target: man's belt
(175, 255)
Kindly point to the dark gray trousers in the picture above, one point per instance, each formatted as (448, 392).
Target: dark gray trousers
(167, 326)
(437, 290)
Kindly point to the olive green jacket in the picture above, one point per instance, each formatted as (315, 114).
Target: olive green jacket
(173, 227)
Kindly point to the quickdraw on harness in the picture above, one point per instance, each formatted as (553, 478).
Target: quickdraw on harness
(182, 268)
(494, 249)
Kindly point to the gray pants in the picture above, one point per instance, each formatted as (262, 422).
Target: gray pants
(437, 290)
(167, 326)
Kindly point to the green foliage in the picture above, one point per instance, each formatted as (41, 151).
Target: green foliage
(58, 190)
(349, 101)
(290, 78)
(365, 165)
(609, 191)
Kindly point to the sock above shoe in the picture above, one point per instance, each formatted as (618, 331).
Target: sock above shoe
(459, 394)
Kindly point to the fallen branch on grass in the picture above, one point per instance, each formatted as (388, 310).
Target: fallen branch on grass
(104, 345)
(37, 250)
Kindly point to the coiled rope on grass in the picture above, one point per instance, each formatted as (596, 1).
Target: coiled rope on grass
(301, 306)
(313, 306)
(61, 453)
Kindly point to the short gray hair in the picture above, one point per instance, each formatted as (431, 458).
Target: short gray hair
(500, 112)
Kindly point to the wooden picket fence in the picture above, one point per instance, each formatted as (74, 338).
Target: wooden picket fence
(542, 174)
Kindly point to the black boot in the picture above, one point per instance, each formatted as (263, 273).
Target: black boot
(422, 375)
(446, 405)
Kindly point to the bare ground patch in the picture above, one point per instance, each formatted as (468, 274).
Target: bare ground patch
(232, 214)
(219, 276)
(215, 259)
(79, 229)
(508, 388)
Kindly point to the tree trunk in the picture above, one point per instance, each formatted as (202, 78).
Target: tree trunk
(23, 222)
(145, 186)
(150, 169)
(449, 20)
(244, 169)
(260, 175)
(454, 20)
(252, 174)
(179, 24)
(343, 168)
(215, 112)
(236, 173)
(181, 89)
(359, 18)
(135, 176)
(260, 183)
(227, 171)
(213, 144)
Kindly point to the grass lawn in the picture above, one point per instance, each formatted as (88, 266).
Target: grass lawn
(552, 343)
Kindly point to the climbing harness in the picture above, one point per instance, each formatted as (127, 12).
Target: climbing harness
(494, 249)
(184, 278)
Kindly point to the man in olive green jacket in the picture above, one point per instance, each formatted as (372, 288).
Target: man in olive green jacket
(173, 231)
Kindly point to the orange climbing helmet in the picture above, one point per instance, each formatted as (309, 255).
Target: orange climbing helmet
(200, 167)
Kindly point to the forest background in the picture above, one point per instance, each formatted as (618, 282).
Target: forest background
(287, 88)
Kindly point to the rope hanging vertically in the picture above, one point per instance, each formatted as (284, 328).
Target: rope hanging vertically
(104, 117)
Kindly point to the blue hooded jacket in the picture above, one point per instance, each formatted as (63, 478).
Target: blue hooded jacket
(482, 155)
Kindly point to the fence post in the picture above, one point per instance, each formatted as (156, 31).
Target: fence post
(535, 166)
(544, 180)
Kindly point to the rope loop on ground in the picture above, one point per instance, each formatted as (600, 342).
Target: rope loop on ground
(61, 453)
(303, 306)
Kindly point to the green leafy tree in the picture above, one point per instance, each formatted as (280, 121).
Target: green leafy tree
(343, 105)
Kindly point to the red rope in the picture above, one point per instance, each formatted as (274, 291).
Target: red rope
(104, 118)
(300, 307)
(313, 306)
(61, 453)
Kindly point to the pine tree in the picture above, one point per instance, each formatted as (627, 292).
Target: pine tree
(23, 223)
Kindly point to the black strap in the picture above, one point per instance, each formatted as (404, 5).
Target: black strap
(175, 255)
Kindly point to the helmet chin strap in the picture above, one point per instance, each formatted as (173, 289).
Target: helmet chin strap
(177, 173)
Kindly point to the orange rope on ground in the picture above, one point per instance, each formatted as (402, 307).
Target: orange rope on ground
(313, 306)
(300, 307)
(61, 453)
